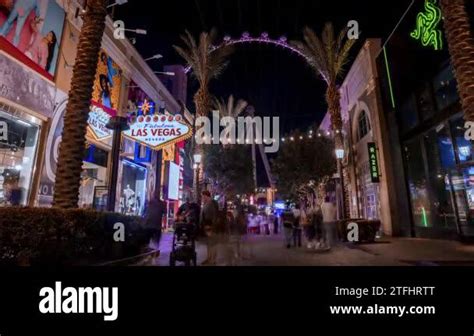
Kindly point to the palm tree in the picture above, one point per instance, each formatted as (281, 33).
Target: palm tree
(230, 108)
(72, 148)
(207, 62)
(461, 47)
(328, 55)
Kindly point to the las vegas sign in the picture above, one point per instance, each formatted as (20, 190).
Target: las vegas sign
(97, 122)
(158, 131)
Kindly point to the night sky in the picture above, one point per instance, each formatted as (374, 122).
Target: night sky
(272, 79)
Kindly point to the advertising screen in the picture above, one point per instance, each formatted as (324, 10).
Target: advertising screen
(31, 30)
(173, 182)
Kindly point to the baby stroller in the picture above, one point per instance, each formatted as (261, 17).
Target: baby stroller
(184, 245)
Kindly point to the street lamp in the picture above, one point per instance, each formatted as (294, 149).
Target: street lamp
(197, 187)
(340, 156)
(197, 159)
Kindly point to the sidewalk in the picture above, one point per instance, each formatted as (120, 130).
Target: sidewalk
(269, 251)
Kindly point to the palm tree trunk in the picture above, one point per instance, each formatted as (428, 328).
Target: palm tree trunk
(202, 100)
(72, 148)
(333, 99)
(461, 47)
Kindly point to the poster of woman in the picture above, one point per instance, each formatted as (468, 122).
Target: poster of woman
(34, 28)
(107, 84)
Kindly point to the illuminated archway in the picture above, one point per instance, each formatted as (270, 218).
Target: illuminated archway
(264, 38)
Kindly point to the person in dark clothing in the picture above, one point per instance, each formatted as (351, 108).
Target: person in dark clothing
(153, 221)
(288, 220)
(275, 224)
(297, 231)
(209, 222)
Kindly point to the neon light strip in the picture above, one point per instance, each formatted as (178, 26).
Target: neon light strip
(392, 95)
(424, 217)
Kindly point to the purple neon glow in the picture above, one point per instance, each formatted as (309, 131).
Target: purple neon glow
(264, 38)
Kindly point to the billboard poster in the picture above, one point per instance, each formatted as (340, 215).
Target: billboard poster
(20, 84)
(31, 31)
(107, 83)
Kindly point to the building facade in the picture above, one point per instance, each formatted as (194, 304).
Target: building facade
(32, 106)
(366, 181)
(432, 157)
(401, 107)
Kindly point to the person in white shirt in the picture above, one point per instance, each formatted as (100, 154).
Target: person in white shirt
(329, 211)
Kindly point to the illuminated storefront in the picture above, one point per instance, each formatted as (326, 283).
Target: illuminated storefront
(28, 97)
(434, 163)
(18, 152)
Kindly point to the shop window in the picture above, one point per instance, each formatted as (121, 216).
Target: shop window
(17, 158)
(364, 125)
(418, 184)
(463, 188)
(93, 177)
(464, 148)
(440, 157)
(133, 193)
(445, 87)
(426, 107)
(408, 115)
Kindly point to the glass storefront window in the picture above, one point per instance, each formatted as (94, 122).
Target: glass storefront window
(445, 87)
(418, 184)
(425, 102)
(463, 188)
(94, 177)
(133, 193)
(408, 115)
(17, 158)
(464, 147)
(439, 156)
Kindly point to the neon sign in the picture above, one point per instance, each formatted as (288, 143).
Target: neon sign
(158, 131)
(146, 107)
(97, 123)
(373, 163)
(427, 26)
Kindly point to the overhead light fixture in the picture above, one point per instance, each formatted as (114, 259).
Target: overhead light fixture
(154, 57)
(117, 3)
(166, 73)
(137, 31)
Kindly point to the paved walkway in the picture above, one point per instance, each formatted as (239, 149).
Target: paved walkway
(269, 251)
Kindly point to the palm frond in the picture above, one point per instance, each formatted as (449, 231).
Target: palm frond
(343, 56)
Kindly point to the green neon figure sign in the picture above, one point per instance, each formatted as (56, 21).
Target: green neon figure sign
(427, 26)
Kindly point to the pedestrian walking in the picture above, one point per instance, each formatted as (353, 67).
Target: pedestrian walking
(209, 214)
(153, 220)
(239, 231)
(309, 227)
(297, 232)
(276, 224)
(329, 212)
(288, 220)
